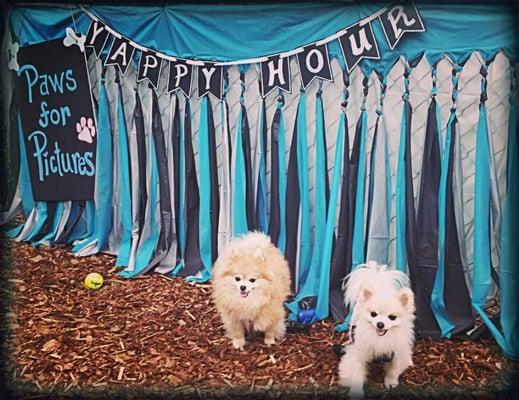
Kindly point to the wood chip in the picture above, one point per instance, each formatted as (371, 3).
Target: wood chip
(158, 330)
(120, 374)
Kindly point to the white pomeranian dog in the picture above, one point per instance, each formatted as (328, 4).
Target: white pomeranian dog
(383, 322)
(251, 280)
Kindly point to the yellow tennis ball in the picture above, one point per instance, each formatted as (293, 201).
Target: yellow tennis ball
(94, 280)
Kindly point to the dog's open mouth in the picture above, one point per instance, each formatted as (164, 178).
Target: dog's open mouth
(244, 294)
(381, 332)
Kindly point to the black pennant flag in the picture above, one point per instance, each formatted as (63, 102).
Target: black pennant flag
(180, 77)
(314, 63)
(357, 43)
(149, 68)
(398, 20)
(210, 80)
(120, 54)
(97, 37)
(275, 73)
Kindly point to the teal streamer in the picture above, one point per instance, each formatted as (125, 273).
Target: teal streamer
(12, 233)
(322, 309)
(401, 256)
(305, 246)
(90, 213)
(25, 180)
(482, 279)
(146, 249)
(310, 286)
(41, 218)
(239, 185)
(508, 339)
(204, 232)
(358, 243)
(83, 236)
(389, 182)
(104, 172)
(80, 228)
(125, 199)
(103, 187)
(49, 237)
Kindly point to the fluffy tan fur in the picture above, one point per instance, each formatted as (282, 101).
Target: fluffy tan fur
(254, 263)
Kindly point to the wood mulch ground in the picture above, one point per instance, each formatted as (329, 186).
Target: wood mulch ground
(155, 336)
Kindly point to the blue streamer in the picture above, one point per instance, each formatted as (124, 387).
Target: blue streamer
(147, 247)
(25, 180)
(78, 230)
(49, 237)
(401, 256)
(305, 249)
(125, 199)
(310, 286)
(437, 296)
(322, 310)
(96, 241)
(358, 246)
(508, 277)
(239, 183)
(205, 194)
(482, 280)
(41, 218)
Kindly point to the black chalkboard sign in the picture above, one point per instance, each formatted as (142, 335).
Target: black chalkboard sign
(58, 122)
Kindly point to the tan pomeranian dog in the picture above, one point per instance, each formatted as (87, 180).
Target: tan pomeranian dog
(251, 280)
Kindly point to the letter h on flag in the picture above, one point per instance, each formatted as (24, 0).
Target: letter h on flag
(275, 73)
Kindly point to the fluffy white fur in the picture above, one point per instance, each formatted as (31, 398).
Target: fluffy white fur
(383, 315)
(251, 280)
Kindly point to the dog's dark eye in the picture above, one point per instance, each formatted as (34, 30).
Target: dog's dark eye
(373, 314)
(392, 317)
(252, 280)
(237, 278)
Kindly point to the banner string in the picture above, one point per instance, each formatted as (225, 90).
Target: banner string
(289, 53)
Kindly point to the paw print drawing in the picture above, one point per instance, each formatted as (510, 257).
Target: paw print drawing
(85, 129)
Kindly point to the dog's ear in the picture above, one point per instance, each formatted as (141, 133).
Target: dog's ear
(366, 293)
(259, 254)
(406, 298)
(235, 253)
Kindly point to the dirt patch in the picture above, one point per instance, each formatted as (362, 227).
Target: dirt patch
(156, 334)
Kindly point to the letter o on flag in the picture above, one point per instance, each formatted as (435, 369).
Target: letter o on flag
(319, 58)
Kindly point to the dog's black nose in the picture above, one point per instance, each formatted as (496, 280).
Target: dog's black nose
(243, 288)
(380, 325)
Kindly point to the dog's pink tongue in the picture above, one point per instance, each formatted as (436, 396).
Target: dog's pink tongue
(244, 294)
(381, 332)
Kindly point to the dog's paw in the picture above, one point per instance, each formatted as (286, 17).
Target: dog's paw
(270, 341)
(390, 382)
(238, 343)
